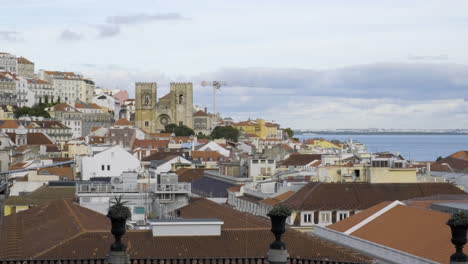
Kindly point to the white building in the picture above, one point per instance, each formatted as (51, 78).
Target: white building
(144, 200)
(166, 165)
(214, 147)
(108, 162)
(261, 169)
(67, 85)
(108, 102)
(43, 91)
(8, 62)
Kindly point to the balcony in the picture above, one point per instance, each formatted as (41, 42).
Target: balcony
(171, 188)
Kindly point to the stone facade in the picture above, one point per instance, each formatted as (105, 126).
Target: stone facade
(25, 68)
(8, 62)
(7, 90)
(176, 107)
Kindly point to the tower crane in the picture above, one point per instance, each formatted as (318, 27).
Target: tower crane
(216, 86)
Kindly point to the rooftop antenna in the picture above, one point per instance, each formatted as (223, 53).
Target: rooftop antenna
(216, 86)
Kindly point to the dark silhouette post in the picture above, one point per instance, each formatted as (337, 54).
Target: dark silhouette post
(458, 225)
(277, 254)
(118, 215)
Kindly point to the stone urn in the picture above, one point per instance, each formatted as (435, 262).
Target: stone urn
(278, 216)
(458, 225)
(118, 214)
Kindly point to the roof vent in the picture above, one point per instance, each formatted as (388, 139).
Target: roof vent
(186, 227)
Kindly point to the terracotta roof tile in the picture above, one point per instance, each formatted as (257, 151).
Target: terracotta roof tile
(207, 155)
(189, 174)
(417, 231)
(122, 122)
(65, 230)
(357, 196)
(200, 113)
(300, 159)
(277, 199)
(349, 222)
(66, 172)
(150, 143)
(22, 60)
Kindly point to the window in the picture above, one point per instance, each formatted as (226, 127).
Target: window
(307, 218)
(357, 173)
(341, 215)
(108, 167)
(325, 217)
(255, 161)
(146, 123)
(103, 167)
(181, 99)
(138, 210)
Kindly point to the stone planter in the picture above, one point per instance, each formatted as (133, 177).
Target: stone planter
(118, 230)
(459, 233)
(278, 224)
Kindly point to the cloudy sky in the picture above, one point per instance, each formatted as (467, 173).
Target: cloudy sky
(302, 63)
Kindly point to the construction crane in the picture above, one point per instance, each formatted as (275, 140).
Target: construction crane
(216, 86)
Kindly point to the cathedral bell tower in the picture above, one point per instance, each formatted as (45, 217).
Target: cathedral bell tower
(145, 106)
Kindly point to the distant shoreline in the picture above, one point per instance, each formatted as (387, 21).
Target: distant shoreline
(381, 133)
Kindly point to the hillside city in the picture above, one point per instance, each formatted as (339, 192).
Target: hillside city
(196, 186)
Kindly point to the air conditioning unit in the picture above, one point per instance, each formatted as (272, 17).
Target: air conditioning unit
(140, 222)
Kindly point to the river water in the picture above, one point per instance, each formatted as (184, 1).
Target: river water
(414, 147)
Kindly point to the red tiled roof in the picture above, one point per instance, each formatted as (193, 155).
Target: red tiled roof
(462, 154)
(33, 138)
(405, 227)
(63, 230)
(183, 139)
(61, 172)
(150, 143)
(37, 81)
(122, 122)
(207, 155)
(63, 107)
(189, 174)
(277, 199)
(349, 222)
(300, 159)
(160, 155)
(357, 196)
(22, 60)
(200, 113)
(17, 166)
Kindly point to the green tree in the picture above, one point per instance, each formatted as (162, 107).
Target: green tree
(439, 158)
(289, 131)
(226, 132)
(179, 130)
(35, 110)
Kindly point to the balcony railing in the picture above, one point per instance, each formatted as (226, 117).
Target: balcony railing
(177, 261)
(171, 188)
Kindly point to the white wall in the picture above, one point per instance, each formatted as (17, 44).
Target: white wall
(215, 147)
(118, 160)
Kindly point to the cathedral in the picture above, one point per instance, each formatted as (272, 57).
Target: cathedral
(176, 107)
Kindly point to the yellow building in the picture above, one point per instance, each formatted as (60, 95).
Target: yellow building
(257, 127)
(43, 195)
(6, 112)
(365, 173)
(75, 148)
(322, 143)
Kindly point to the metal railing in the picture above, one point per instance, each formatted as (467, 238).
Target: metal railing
(178, 261)
(171, 188)
(155, 188)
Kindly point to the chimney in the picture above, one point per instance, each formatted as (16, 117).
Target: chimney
(206, 110)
